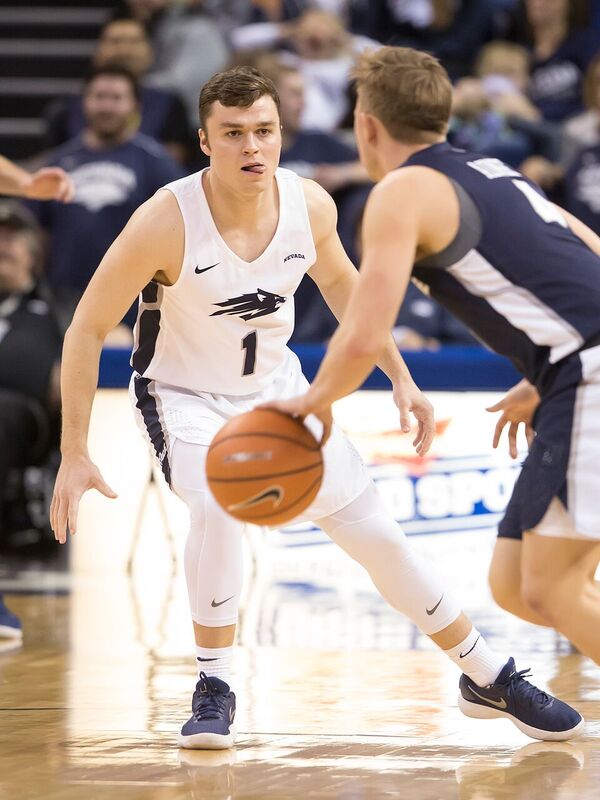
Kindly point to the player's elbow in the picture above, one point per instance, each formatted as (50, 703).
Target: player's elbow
(367, 346)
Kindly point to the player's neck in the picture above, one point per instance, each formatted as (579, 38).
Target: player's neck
(229, 208)
(394, 154)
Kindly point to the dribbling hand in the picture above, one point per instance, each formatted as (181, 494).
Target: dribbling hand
(300, 408)
(76, 475)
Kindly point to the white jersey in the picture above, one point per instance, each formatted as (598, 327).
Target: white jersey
(223, 327)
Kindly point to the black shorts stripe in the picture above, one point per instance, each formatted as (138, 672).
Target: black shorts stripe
(148, 329)
(146, 403)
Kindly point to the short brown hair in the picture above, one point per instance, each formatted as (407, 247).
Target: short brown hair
(239, 86)
(407, 90)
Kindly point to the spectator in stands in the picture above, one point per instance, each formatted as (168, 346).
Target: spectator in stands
(571, 180)
(189, 47)
(162, 113)
(114, 170)
(491, 112)
(453, 30)
(321, 156)
(562, 48)
(323, 50)
(583, 130)
(19, 250)
(30, 347)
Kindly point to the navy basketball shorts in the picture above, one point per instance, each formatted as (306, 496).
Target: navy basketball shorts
(558, 491)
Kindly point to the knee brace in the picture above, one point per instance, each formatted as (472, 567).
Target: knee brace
(369, 534)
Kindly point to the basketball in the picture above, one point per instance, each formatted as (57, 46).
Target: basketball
(264, 467)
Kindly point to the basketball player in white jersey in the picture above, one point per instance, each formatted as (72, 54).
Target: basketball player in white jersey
(217, 257)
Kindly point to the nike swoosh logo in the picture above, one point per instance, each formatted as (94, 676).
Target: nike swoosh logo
(231, 713)
(497, 703)
(274, 493)
(200, 271)
(216, 605)
(462, 655)
(431, 611)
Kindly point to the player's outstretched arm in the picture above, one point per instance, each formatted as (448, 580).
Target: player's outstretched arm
(48, 183)
(336, 278)
(152, 241)
(391, 236)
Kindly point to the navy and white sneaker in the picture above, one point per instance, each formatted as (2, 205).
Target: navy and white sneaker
(213, 712)
(534, 712)
(10, 624)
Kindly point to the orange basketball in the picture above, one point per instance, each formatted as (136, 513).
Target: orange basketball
(264, 467)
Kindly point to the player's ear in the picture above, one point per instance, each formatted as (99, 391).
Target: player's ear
(369, 126)
(203, 138)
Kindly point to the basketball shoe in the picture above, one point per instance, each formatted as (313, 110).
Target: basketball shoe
(534, 712)
(10, 624)
(213, 711)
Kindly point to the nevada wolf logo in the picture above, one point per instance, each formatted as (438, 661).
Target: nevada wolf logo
(251, 306)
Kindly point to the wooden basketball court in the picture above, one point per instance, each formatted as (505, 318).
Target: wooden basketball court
(338, 696)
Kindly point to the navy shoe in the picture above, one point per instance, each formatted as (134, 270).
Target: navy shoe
(534, 712)
(10, 624)
(213, 711)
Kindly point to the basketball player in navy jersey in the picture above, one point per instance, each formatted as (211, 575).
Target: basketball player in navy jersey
(217, 257)
(525, 276)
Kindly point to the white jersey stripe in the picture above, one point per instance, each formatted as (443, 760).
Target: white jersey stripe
(517, 305)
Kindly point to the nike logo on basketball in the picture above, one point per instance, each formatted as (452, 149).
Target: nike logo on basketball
(462, 655)
(431, 611)
(251, 306)
(216, 605)
(200, 271)
(498, 703)
(273, 493)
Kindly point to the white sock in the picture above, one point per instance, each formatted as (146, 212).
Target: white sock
(473, 657)
(215, 662)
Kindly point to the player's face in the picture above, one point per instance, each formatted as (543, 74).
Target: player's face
(244, 144)
(366, 141)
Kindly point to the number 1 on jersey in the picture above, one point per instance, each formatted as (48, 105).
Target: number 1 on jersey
(249, 345)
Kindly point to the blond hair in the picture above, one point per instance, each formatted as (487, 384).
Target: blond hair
(407, 90)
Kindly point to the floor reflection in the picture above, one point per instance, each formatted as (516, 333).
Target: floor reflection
(339, 696)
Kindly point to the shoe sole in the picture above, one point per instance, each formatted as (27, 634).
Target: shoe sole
(476, 711)
(6, 632)
(207, 741)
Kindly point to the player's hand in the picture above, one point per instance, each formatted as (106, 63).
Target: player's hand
(50, 183)
(410, 399)
(300, 408)
(76, 475)
(518, 407)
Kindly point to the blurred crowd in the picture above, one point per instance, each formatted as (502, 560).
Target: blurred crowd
(527, 90)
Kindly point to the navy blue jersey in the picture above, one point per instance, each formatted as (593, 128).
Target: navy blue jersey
(515, 274)
(109, 185)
